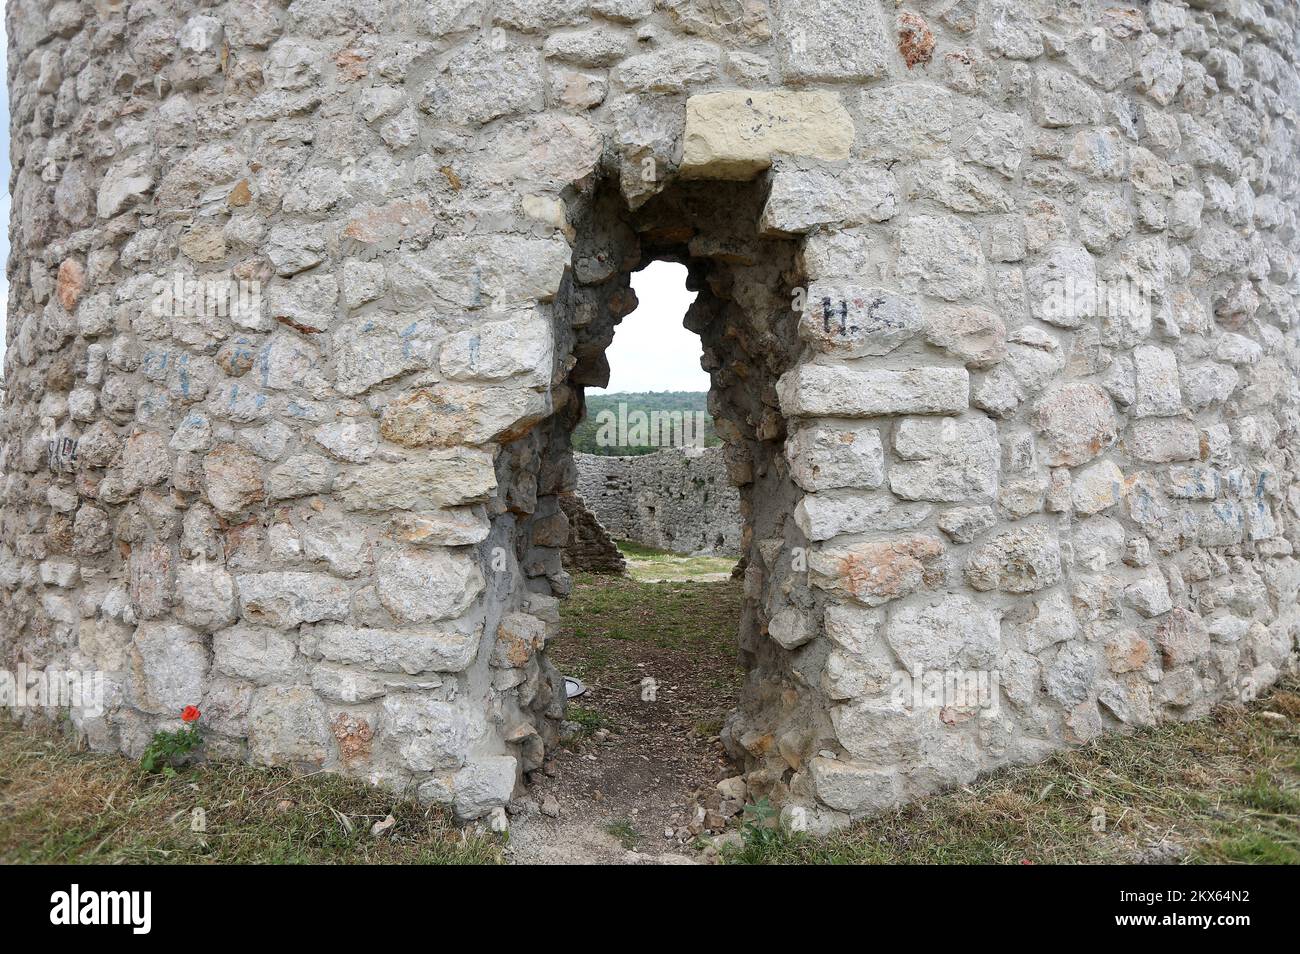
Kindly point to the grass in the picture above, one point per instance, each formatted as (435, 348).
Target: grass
(649, 565)
(588, 719)
(708, 728)
(625, 832)
(610, 619)
(1221, 790)
(64, 806)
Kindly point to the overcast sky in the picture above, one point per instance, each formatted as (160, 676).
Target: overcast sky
(651, 349)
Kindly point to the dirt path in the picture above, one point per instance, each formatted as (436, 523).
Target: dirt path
(647, 751)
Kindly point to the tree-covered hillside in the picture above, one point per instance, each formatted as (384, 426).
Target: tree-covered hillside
(627, 424)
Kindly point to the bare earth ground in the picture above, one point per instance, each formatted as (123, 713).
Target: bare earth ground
(1225, 789)
(638, 758)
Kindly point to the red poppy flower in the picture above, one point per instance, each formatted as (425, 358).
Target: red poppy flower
(190, 714)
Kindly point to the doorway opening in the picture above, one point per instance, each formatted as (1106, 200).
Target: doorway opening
(675, 702)
(651, 470)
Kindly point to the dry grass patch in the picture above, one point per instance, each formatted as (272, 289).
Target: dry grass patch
(62, 805)
(1221, 790)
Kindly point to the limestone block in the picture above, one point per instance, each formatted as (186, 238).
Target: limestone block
(671, 69)
(533, 16)
(1062, 289)
(387, 650)
(1043, 623)
(789, 629)
(964, 524)
(944, 459)
(519, 636)
(353, 440)
(1061, 99)
(996, 140)
(439, 478)
(825, 515)
(830, 40)
(806, 193)
(851, 321)
(735, 134)
(449, 414)
(484, 80)
(341, 543)
(814, 390)
(452, 527)
(1016, 561)
(426, 734)
(1077, 423)
(591, 47)
(1156, 377)
(873, 573)
(1163, 440)
(286, 599)
(484, 784)
(420, 586)
(205, 596)
(1182, 639)
(300, 476)
(257, 654)
(287, 725)
(825, 458)
(941, 255)
(305, 303)
(520, 347)
(952, 632)
(1097, 487)
(168, 668)
(854, 788)
(1071, 673)
(906, 121)
(975, 335)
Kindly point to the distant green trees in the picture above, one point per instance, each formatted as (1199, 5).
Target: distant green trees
(629, 424)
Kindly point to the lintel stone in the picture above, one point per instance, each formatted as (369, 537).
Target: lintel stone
(735, 134)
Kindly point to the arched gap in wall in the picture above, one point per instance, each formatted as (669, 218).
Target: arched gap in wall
(668, 663)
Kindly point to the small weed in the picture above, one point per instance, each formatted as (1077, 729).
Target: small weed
(761, 835)
(168, 751)
(589, 719)
(708, 728)
(625, 832)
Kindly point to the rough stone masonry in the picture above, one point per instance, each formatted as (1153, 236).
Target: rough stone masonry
(999, 300)
(677, 499)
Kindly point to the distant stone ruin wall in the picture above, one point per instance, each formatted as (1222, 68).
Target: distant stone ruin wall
(675, 500)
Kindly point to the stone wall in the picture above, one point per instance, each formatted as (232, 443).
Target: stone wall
(673, 499)
(329, 512)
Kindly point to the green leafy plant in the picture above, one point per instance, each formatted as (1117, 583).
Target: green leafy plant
(760, 832)
(625, 832)
(589, 719)
(168, 750)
